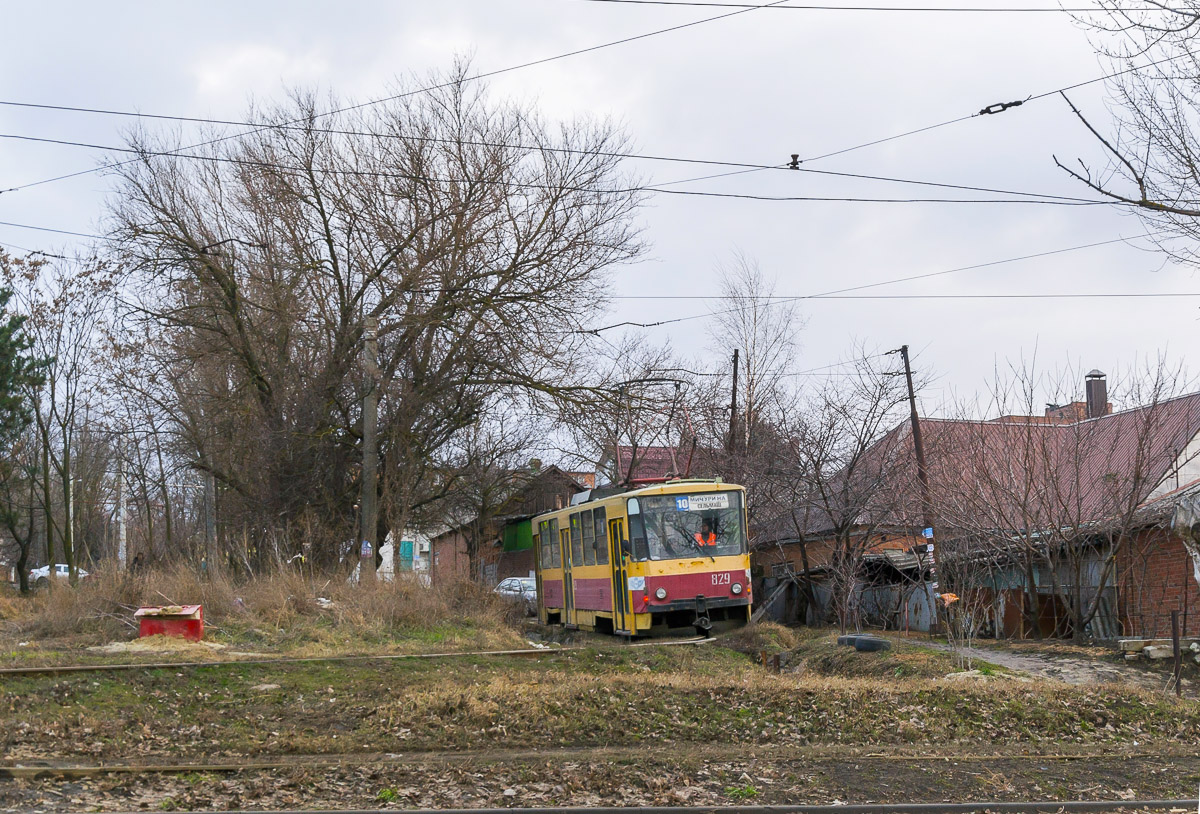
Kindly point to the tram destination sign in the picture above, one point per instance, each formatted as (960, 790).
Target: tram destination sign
(701, 503)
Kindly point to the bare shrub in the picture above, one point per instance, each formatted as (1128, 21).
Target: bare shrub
(289, 607)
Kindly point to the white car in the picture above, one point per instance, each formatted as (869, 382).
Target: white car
(522, 588)
(40, 577)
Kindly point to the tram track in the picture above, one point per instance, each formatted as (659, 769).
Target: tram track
(49, 768)
(1006, 807)
(539, 652)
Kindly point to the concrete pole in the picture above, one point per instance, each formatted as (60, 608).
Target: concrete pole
(122, 551)
(369, 499)
(210, 520)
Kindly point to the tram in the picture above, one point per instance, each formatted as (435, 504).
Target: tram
(650, 560)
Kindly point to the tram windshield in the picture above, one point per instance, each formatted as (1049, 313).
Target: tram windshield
(672, 527)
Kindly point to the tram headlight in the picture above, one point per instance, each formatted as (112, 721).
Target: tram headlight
(661, 593)
(736, 588)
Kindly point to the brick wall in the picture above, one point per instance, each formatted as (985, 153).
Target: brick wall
(1154, 578)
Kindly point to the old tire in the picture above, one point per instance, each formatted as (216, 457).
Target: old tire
(849, 639)
(871, 644)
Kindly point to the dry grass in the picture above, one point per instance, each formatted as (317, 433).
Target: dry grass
(761, 637)
(823, 656)
(274, 612)
(587, 697)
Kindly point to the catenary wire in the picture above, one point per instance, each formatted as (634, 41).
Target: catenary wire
(1033, 98)
(295, 124)
(744, 167)
(910, 9)
(1030, 197)
(927, 128)
(431, 88)
(346, 132)
(56, 231)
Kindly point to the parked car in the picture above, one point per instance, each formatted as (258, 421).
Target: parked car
(40, 577)
(520, 588)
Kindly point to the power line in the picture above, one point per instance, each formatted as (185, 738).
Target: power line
(831, 199)
(990, 110)
(809, 372)
(743, 167)
(56, 231)
(849, 289)
(1033, 98)
(907, 9)
(431, 88)
(363, 133)
(1031, 197)
(1037, 296)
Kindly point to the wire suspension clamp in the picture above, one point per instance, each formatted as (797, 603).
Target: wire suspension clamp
(1000, 107)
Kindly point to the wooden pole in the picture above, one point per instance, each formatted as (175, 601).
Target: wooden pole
(926, 501)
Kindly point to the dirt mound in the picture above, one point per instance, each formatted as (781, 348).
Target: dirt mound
(760, 637)
(160, 644)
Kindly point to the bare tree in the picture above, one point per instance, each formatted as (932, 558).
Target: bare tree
(18, 501)
(645, 397)
(751, 319)
(852, 451)
(1055, 495)
(66, 305)
(1150, 150)
(478, 237)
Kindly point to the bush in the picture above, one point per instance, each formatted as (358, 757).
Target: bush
(281, 608)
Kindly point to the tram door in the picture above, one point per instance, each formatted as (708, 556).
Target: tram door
(622, 616)
(564, 541)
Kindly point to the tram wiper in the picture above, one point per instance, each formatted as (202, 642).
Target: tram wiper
(695, 544)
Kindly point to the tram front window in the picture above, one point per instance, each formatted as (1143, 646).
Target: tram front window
(672, 527)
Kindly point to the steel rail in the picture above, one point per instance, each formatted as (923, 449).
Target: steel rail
(176, 665)
(59, 768)
(1066, 807)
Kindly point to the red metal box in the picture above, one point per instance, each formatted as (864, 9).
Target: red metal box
(172, 620)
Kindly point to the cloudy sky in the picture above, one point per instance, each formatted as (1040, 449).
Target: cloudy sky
(755, 87)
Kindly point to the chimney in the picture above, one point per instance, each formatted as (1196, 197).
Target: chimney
(1097, 394)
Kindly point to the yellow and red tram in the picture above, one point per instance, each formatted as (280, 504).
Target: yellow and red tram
(653, 559)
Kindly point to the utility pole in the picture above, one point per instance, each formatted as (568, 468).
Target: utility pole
(210, 520)
(47, 508)
(926, 500)
(922, 474)
(733, 406)
(69, 536)
(369, 498)
(122, 552)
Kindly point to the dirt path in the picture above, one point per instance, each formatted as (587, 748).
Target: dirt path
(1068, 669)
(667, 776)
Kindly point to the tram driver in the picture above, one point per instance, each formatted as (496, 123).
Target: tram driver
(706, 537)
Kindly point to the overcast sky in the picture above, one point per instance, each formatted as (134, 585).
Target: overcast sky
(755, 88)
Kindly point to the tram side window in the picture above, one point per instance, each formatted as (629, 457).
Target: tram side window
(544, 542)
(576, 541)
(555, 561)
(589, 538)
(601, 538)
(637, 530)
